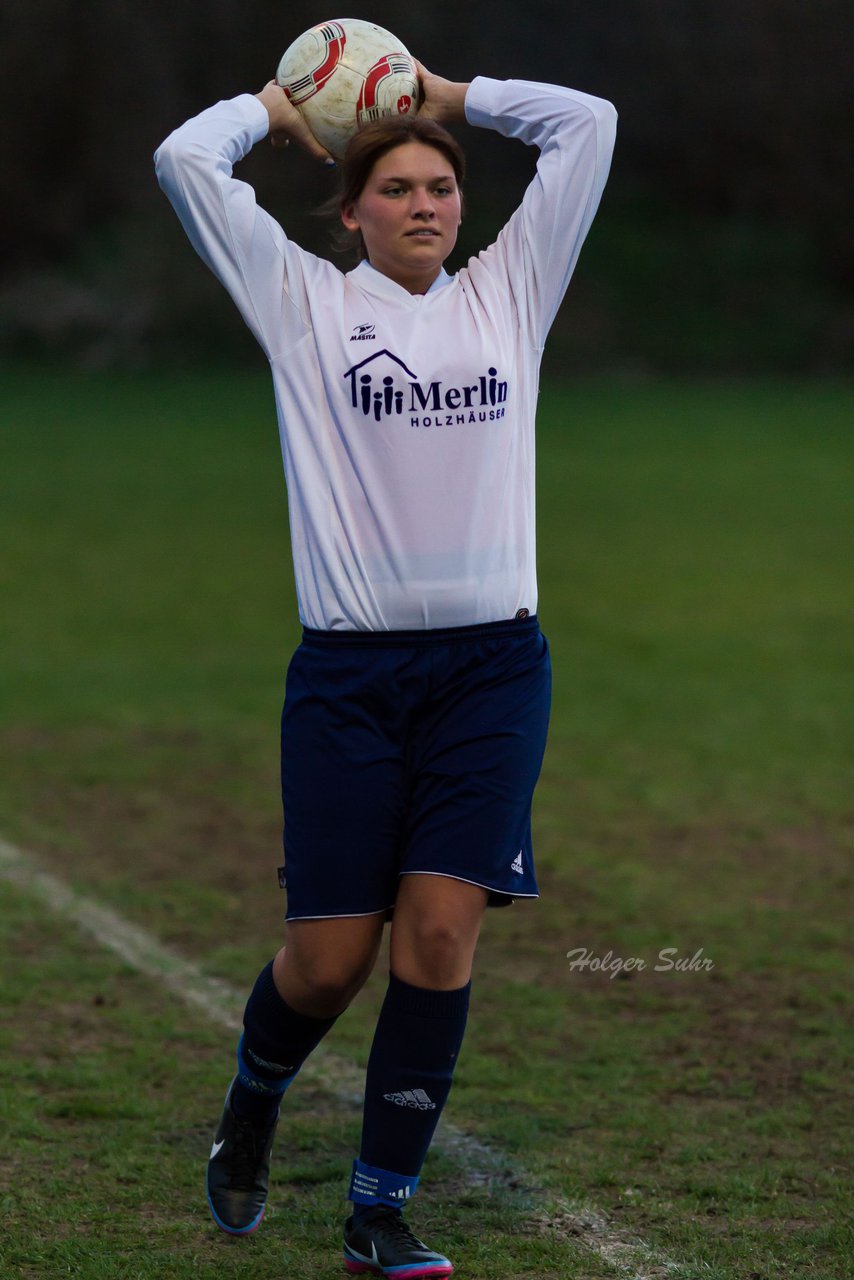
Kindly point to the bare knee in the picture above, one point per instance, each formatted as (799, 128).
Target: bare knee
(319, 978)
(328, 983)
(435, 930)
(437, 953)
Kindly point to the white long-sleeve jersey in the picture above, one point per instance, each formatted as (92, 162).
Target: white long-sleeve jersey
(406, 421)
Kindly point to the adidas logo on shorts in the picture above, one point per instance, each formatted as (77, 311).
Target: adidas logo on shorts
(516, 864)
(417, 1099)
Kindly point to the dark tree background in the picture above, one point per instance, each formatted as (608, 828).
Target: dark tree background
(723, 243)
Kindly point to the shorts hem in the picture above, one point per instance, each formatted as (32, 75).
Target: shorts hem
(340, 915)
(490, 888)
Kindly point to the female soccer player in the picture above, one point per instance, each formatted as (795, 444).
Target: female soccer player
(416, 706)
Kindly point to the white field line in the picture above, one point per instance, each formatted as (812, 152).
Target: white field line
(223, 1004)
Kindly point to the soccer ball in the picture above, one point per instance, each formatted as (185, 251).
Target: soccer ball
(343, 73)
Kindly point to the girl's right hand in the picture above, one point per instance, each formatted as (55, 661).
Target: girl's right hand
(286, 123)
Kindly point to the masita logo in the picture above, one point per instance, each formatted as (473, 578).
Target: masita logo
(376, 391)
(363, 333)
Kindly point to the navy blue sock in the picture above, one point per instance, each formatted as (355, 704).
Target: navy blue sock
(275, 1043)
(416, 1043)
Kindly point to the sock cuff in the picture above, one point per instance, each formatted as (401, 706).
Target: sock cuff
(424, 1001)
(265, 993)
(267, 999)
(276, 1039)
(370, 1185)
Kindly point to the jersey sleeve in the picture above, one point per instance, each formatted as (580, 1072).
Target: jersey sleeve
(536, 252)
(264, 272)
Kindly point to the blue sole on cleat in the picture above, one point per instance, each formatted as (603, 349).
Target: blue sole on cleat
(235, 1231)
(427, 1272)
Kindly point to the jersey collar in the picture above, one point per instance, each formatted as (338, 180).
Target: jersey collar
(369, 280)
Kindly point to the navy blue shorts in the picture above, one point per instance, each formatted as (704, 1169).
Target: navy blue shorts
(411, 752)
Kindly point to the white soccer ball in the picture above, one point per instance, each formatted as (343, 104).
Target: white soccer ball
(344, 73)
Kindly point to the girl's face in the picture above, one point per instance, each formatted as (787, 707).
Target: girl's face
(408, 212)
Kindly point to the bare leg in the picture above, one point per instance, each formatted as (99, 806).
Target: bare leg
(325, 963)
(435, 931)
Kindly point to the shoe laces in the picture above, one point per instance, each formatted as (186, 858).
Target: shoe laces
(247, 1145)
(392, 1225)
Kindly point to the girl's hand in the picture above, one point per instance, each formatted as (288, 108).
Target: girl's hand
(286, 123)
(443, 100)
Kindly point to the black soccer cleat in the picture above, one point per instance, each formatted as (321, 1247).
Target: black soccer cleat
(239, 1171)
(384, 1245)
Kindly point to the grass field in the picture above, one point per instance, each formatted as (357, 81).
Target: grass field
(695, 579)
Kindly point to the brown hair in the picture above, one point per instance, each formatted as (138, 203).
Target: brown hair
(368, 145)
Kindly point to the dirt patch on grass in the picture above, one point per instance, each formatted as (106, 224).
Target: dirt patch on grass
(153, 817)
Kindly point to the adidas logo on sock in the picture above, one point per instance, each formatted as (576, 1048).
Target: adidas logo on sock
(417, 1099)
(516, 864)
(403, 1193)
